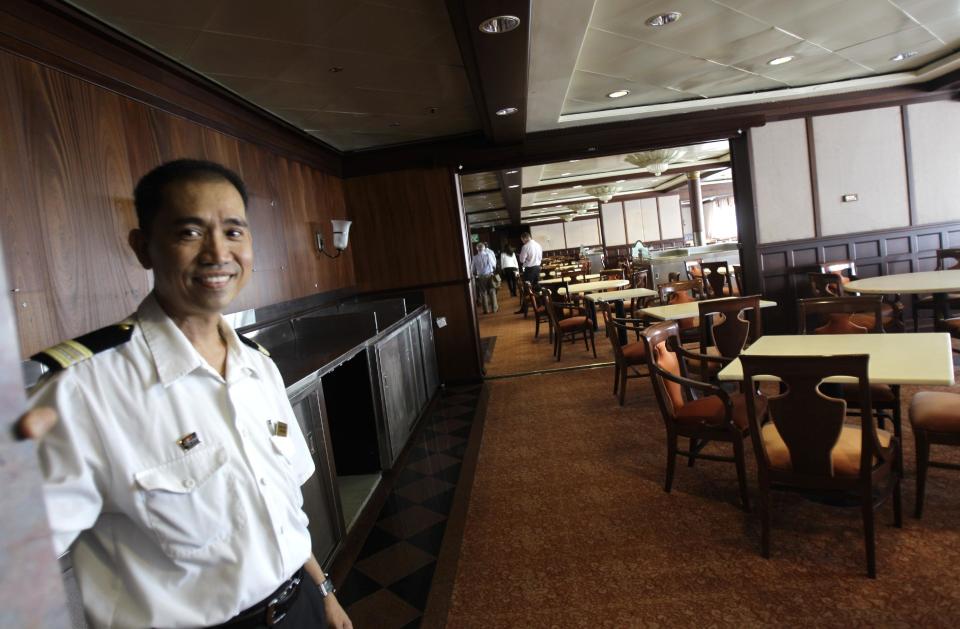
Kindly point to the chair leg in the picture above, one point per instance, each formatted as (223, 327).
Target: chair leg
(559, 348)
(897, 504)
(923, 462)
(536, 333)
(616, 377)
(593, 344)
(869, 536)
(693, 452)
(765, 518)
(671, 460)
(741, 473)
(623, 384)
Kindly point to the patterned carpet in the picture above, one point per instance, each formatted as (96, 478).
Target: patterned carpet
(568, 526)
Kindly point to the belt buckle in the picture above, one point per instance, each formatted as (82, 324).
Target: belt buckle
(272, 618)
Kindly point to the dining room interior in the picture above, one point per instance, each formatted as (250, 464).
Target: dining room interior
(726, 395)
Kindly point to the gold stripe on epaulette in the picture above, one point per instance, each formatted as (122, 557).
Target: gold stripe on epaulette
(263, 350)
(68, 353)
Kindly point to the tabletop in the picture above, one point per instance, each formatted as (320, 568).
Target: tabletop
(924, 358)
(908, 283)
(686, 310)
(589, 287)
(620, 295)
(555, 280)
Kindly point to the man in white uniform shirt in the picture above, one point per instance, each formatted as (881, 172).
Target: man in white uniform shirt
(530, 256)
(175, 469)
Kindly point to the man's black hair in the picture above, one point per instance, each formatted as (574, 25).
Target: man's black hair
(150, 193)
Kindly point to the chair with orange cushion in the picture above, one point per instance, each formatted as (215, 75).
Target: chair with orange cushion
(717, 278)
(539, 310)
(700, 411)
(832, 285)
(946, 259)
(693, 270)
(726, 327)
(851, 315)
(681, 292)
(935, 418)
(738, 279)
(627, 357)
(567, 320)
(801, 442)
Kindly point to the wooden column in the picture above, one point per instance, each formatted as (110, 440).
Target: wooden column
(696, 208)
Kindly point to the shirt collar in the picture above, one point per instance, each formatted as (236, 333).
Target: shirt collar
(174, 355)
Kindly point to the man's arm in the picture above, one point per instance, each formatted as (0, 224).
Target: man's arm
(336, 616)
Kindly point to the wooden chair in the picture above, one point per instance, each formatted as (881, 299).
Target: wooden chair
(935, 418)
(612, 274)
(832, 285)
(946, 259)
(738, 278)
(718, 283)
(700, 411)
(683, 292)
(567, 325)
(853, 315)
(538, 308)
(626, 357)
(800, 440)
(692, 268)
(726, 327)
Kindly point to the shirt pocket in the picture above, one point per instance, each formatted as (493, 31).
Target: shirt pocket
(185, 501)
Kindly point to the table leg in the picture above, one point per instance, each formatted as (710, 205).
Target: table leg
(941, 306)
(618, 306)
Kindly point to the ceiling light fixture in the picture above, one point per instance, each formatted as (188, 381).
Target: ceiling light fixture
(900, 56)
(663, 19)
(604, 193)
(499, 24)
(512, 172)
(779, 61)
(618, 94)
(579, 186)
(514, 185)
(655, 161)
(565, 174)
(507, 111)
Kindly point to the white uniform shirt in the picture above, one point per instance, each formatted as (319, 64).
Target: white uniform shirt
(509, 261)
(170, 537)
(531, 253)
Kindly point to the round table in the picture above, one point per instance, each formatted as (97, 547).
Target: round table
(592, 287)
(939, 283)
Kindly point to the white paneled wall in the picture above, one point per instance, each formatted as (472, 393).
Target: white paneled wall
(549, 236)
(671, 221)
(614, 229)
(582, 233)
(634, 221)
(651, 219)
(781, 181)
(935, 160)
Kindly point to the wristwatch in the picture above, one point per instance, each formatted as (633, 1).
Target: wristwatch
(326, 588)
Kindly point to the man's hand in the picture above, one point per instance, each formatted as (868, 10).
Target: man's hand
(35, 423)
(336, 616)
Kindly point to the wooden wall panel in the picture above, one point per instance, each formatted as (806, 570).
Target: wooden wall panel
(72, 154)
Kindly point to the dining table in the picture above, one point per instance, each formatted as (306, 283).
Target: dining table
(617, 297)
(689, 309)
(923, 358)
(938, 283)
(593, 287)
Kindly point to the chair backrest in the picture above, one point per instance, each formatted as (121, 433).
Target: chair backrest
(729, 324)
(612, 329)
(948, 259)
(738, 278)
(692, 267)
(808, 421)
(835, 314)
(658, 340)
(715, 279)
(549, 306)
(825, 284)
(612, 274)
(681, 291)
(639, 279)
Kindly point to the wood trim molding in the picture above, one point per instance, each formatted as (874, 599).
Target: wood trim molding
(740, 156)
(814, 186)
(66, 39)
(908, 164)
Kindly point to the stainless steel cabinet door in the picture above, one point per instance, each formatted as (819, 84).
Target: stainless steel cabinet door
(321, 501)
(398, 387)
(431, 372)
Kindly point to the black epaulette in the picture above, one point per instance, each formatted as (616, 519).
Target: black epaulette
(70, 353)
(257, 346)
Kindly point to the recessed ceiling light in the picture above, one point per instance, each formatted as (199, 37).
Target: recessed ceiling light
(506, 111)
(515, 185)
(620, 180)
(780, 60)
(900, 56)
(512, 172)
(573, 160)
(565, 174)
(580, 186)
(499, 24)
(663, 19)
(618, 94)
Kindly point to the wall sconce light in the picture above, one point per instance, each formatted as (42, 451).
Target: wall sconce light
(341, 235)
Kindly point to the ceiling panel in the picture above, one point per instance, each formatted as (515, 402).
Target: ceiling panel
(876, 54)
(483, 201)
(479, 181)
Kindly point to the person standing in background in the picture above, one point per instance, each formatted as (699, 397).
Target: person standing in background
(530, 256)
(510, 268)
(483, 265)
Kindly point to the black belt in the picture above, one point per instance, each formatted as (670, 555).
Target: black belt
(271, 610)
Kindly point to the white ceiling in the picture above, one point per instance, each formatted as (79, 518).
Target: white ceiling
(368, 73)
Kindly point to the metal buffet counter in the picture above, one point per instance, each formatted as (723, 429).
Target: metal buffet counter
(358, 375)
(666, 261)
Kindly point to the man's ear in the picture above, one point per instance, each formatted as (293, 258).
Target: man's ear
(138, 242)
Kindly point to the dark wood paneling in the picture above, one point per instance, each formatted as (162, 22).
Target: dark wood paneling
(784, 265)
(410, 231)
(72, 154)
(742, 170)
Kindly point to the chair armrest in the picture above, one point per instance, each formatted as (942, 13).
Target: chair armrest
(695, 384)
(705, 357)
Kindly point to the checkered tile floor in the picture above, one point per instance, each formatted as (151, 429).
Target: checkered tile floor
(388, 585)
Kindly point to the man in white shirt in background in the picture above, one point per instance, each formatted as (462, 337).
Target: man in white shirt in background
(530, 256)
(484, 265)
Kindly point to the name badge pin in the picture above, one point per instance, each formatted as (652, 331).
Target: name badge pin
(188, 441)
(281, 429)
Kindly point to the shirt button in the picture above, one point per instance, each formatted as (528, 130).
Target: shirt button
(263, 481)
(189, 483)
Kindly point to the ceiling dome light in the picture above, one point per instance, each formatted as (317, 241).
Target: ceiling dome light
(507, 111)
(618, 94)
(499, 24)
(604, 193)
(663, 19)
(900, 56)
(655, 161)
(780, 60)
(512, 172)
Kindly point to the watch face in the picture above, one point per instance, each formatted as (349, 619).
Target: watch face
(326, 588)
